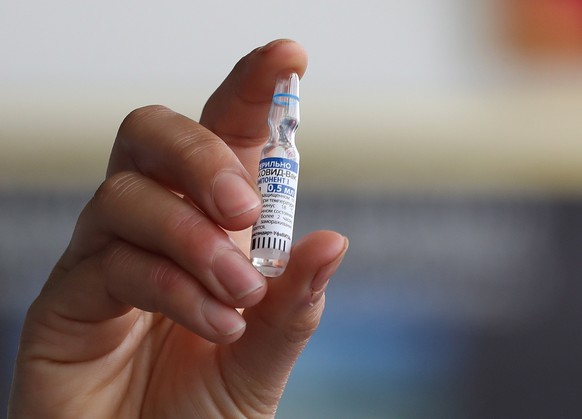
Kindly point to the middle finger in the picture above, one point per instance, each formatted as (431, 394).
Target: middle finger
(136, 209)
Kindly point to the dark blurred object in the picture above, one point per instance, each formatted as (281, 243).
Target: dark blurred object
(445, 306)
(544, 28)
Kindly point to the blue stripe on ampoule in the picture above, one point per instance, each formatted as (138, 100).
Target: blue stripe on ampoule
(284, 95)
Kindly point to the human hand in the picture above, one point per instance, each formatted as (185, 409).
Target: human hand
(138, 318)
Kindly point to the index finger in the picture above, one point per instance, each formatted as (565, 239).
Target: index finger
(187, 158)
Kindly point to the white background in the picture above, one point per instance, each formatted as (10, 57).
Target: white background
(415, 93)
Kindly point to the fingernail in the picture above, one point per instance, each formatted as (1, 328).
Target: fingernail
(324, 274)
(270, 45)
(233, 195)
(236, 274)
(225, 320)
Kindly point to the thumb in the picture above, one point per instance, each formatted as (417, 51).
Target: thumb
(279, 327)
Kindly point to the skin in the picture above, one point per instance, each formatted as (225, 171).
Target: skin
(139, 317)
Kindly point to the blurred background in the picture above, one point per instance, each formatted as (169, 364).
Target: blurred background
(442, 136)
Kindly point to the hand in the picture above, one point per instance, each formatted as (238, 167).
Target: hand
(139, 318)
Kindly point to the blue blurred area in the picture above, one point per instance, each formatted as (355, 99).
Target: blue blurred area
(365, 363)
(446, 306)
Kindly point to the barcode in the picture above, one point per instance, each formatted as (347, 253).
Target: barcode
(269, 243)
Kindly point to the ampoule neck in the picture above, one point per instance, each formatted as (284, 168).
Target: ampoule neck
(284, 113)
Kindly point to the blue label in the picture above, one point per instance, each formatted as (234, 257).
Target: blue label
(277, 182)
(279, 188)
(279, 163)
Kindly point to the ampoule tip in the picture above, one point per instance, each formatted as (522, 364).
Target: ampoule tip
(287, 90)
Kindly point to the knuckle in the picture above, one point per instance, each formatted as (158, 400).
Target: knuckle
(116, 187)
(184, 223)
(115, 257)
(192, 231)
(300, 331)
(139, 115)
(194, 145)
(165, 276)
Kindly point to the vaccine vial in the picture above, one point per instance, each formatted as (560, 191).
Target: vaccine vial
(277, 181)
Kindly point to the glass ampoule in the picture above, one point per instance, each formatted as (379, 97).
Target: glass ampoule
(278, 174)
